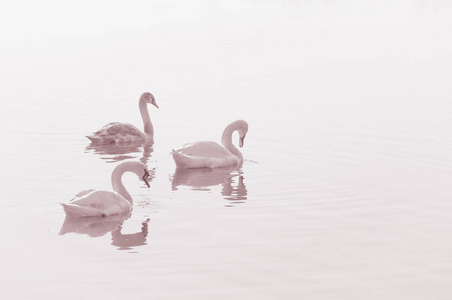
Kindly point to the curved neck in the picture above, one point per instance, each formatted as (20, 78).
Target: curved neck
(226, 140)
(116, 182)
(148, 128)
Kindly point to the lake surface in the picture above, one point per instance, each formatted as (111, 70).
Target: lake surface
(345, 189)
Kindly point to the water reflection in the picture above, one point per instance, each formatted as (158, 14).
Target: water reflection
(113, 153)
(93, 226)
(230, 178)
(235, 192)
(128, 241)
(97, 227)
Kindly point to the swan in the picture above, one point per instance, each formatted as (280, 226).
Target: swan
(206, 154)
(94, 203)
(117, 132)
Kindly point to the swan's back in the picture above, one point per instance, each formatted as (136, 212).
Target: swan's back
(117, 132)
(204, 154)
(204, 148)
(97, 203)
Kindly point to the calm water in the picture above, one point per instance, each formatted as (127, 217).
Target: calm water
(345, 189)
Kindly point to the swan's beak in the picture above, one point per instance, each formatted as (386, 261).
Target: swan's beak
(145, 178)
(241, 141)
(147, 182)
(155, 104)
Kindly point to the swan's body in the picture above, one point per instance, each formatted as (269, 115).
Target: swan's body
(93, 203)
(204, 154)
(117, 132)
(208, 154)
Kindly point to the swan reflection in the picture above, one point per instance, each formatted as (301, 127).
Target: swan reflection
(113, 152)
(235, 191)
(230, 178)
(130, 240)
(93, 226)
(97, 227)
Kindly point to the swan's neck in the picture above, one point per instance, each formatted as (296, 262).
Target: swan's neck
(148, 128)
(116, 181)
(226, 140)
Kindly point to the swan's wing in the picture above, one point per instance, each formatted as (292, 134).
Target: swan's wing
(196, 161)
(117, 132)
(81, 194)
(98, 198)
(103, 200)
(81, 211)
(202, 155)
(115, 128)
(204, 149)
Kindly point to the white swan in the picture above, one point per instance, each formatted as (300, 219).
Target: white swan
(93, 203)
(207, 154)
(117, 132)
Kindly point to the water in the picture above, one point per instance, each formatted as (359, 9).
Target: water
(345, 188)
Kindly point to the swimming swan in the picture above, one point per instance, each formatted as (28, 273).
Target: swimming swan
(117, 132)
(92, 203)
(207, 154)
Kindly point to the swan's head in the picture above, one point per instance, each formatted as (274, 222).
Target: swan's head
(242, 130)
(149, 98)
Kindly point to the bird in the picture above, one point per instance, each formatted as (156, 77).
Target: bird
(207, 154)
(117, 132)
(102, 203)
